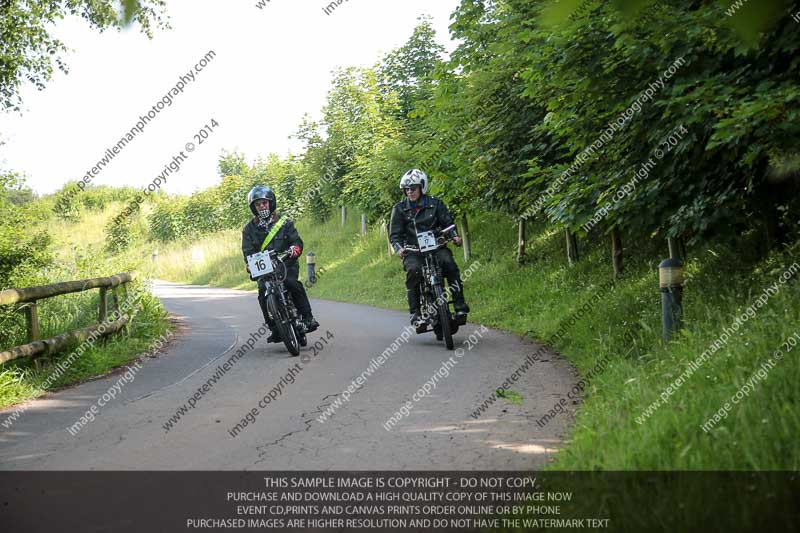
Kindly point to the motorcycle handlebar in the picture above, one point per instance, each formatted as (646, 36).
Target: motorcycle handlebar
(281, 257)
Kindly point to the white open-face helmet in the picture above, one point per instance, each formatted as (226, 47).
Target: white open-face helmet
(415, 177)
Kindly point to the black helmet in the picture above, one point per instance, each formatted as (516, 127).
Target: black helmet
(258, 192)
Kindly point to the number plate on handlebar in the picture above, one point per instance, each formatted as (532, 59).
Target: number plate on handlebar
(260, 264)
(427, 241)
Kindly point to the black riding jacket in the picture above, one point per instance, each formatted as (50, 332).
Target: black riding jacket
(430, 217)
(253, 237)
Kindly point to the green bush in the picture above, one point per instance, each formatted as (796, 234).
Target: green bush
(167, 222)
(119, 234)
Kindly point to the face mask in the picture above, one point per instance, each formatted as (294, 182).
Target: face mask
(264, 216)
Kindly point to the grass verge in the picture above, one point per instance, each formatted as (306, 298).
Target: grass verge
(621, 325)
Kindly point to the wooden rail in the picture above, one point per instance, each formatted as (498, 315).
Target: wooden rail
(31, 295)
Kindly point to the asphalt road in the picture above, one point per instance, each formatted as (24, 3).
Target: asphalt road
(129, 433)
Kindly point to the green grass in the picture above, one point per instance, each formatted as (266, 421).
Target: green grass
(79, 254)
(536, 298)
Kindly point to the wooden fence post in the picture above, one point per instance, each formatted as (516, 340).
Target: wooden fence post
(32, 320)
(572, 247)
(385, 231)
(363, 224)
(115, 298)
(103, 305)
(344, 216)
(521, 242)
(616, 252)
(34, 333)
(466, 237)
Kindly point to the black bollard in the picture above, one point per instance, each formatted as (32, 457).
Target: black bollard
(670, 274)
(311, 278)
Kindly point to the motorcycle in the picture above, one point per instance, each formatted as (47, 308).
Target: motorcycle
(434, 299)
(280, 306)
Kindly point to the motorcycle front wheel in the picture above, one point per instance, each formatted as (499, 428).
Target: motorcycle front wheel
(284, 326)
(444, 316)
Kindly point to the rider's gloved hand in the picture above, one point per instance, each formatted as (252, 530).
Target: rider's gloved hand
(399, 249)
(294, 251)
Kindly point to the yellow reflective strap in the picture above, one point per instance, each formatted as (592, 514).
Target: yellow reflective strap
(271, 235)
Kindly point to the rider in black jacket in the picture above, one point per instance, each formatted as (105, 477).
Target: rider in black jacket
(263, 205)
(421, 212)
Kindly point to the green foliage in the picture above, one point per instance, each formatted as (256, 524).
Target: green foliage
(201, 213)
(22, 252)
(119, 234)
(29, 47)
(67, 202)
(96, 198)
(167, 221)
(232, 194)
(37, 249)
(408, 71)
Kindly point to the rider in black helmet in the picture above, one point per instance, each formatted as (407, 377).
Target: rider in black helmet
(263, 205)
(417, 213)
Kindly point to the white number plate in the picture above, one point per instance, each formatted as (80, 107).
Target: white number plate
(426, 240)
(260, 264)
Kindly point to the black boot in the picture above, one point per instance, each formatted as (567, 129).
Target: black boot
(413, 309)
(310, 323)
(274, 336)
(459, 304)
(413, 302)
(413, 299)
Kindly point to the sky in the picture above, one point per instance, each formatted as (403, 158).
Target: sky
(270, 66)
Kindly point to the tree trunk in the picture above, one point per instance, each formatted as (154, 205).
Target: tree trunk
(572, 247)
(465, 236)
(363, 224)
(521, 242)
(616, 252)
(674, 248)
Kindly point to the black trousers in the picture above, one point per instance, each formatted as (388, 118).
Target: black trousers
(294, 287)
(413, 265)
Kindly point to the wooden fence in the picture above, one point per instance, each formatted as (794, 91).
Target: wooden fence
(31, 295)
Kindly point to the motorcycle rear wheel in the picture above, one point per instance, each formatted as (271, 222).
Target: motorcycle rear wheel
(284, 326)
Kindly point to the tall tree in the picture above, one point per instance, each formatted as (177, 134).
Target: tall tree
(409, 69)
(28, 47)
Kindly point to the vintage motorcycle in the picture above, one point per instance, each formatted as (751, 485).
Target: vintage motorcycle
(435, 300)
(280, 306)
